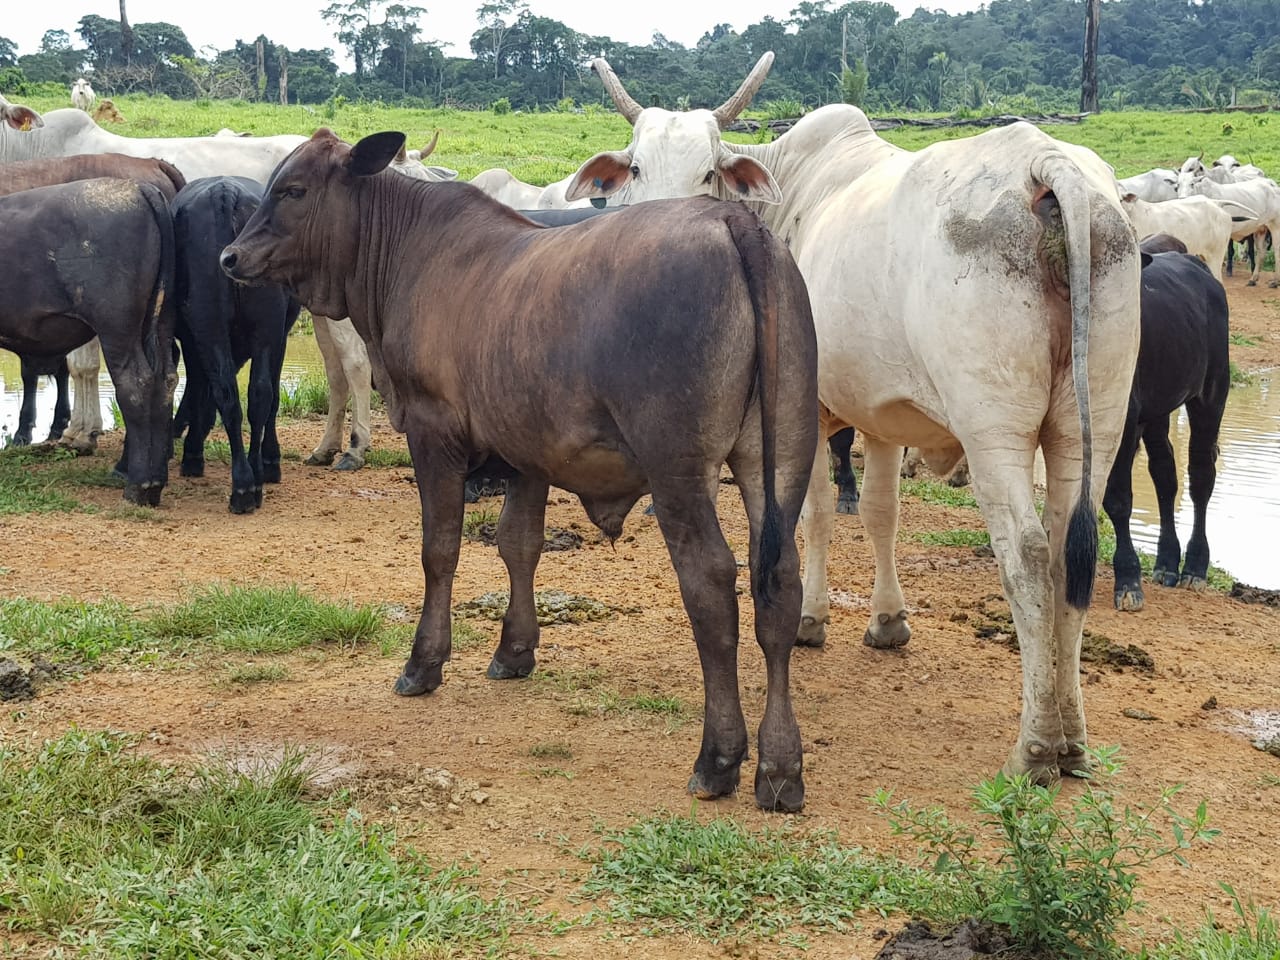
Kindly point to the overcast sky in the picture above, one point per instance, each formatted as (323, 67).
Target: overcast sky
(297, 23)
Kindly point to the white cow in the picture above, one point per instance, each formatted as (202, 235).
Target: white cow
(1154, 186)
(506, 188)
(1204, 225)
(1022, 332)
(1259, 195)
(82, 95)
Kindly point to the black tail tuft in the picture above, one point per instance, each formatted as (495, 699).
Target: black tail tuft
(1082, 553)
(764, 578)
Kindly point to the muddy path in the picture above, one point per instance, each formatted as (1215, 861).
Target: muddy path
(927, 722)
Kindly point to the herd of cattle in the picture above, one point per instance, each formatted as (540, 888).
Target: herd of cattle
(639, 351)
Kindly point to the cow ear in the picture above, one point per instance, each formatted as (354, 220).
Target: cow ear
(1146, 259)
(372, 154)
(19, 117)
(748, 179)
(603, 174)
(1129, 198)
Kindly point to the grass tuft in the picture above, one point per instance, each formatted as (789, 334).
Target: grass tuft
(952, 538)
(309, 395)
(937, 491)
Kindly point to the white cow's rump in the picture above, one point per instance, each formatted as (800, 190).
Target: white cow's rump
(1204, 225)
(1031, 294)
(1257, 194)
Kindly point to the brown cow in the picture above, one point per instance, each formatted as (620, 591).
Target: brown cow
(85, 422)
(97, 257)
(630, 353)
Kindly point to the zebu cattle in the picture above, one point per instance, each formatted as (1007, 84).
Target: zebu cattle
(688, 343)
(506, 188)
(18, 117)
(1204, 225)
(1182, 361)
(1154, 186)
(82, 95)
(97, 257)
(1023, 332)
(82, 423)
(1258, 194)
(223, 325)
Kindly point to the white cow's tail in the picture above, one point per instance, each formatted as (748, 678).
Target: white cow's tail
(1067, 184)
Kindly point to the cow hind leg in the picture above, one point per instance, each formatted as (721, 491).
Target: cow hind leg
(62, 405)
(1164, 474)
(888, 628)
(816, 522)
(339, 391)
(520, 537)
(440, 492)
(84, 365)
(359, 373)
(707, 574)
(841, 444)
(27, 414)
(1205, 417)
(1118, 503)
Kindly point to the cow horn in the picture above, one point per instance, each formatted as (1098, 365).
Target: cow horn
(625, 104)
(426, 151)
(728, 111)
(1201, 157)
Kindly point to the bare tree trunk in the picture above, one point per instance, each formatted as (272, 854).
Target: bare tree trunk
(260, 78)
(126, 36)
(1089, 69)
(284, 78)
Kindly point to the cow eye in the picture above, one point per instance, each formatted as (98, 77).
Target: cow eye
(635, 169)
(707, 178)
(295, 193)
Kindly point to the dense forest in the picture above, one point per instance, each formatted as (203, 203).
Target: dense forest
(1012, 55)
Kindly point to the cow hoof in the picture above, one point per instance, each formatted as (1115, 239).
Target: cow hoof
(271, 473)
(1274, 283)
(418, 682)
(888, 631)
(349, 462)
(1190, 582)
(1251, 283)
(847, 505)
(958, 479)
(243, 501)
(192, 469)
(1165, 578)
(143, 495)
(1037, 760)
(1073, 761)
(320, 458)
(778, 792)
(20, 440)
(1129, 599)
(812, 632)
(504, 671)
(55, 434)
(712, 786)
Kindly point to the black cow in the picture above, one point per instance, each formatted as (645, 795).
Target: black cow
(221, 326)
(841, 446)
(1182, 360)
(97, 257)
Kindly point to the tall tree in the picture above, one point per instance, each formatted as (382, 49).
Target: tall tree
(356, 30)
(399, 31)
(1089, 69)
(498, 17)
(126, 35)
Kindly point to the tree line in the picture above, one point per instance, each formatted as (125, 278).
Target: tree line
(1010, 56)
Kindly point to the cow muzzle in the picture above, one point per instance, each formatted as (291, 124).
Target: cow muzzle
(235, 265)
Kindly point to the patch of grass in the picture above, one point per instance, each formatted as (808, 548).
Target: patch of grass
(127, 511)
(467, 636)
(937, 491)
(1243, 340)
(247, 619)
(397, 457)
(215, 863)
(1238, 377)
(309, 395)
(1254, 936)
(25, 488)
(547, 773)
(251, 673)
(477, 519)
(952, 538)
(717, 880)
(551, 751)
(1269, 780)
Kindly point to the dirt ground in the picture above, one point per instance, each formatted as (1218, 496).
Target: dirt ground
(928, 721)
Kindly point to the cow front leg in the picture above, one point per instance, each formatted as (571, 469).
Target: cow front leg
(27, 413)
(707, 574)
(358, 369)
(888, 628)
(1118, 503)
(62, 405)
(520, 537)
(1164, 475)
(816, 522)
(440, 491)
(841, 445)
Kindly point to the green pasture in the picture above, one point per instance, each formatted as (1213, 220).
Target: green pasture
(542, 147)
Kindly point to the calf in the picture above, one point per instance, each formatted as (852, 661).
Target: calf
(221, 325)
(1182, 360)
(632, 353)
(97, 257)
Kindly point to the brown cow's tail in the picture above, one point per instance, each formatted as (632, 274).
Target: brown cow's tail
(755, 252)
(1067, 183)
(173, 173)
(161, 308)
